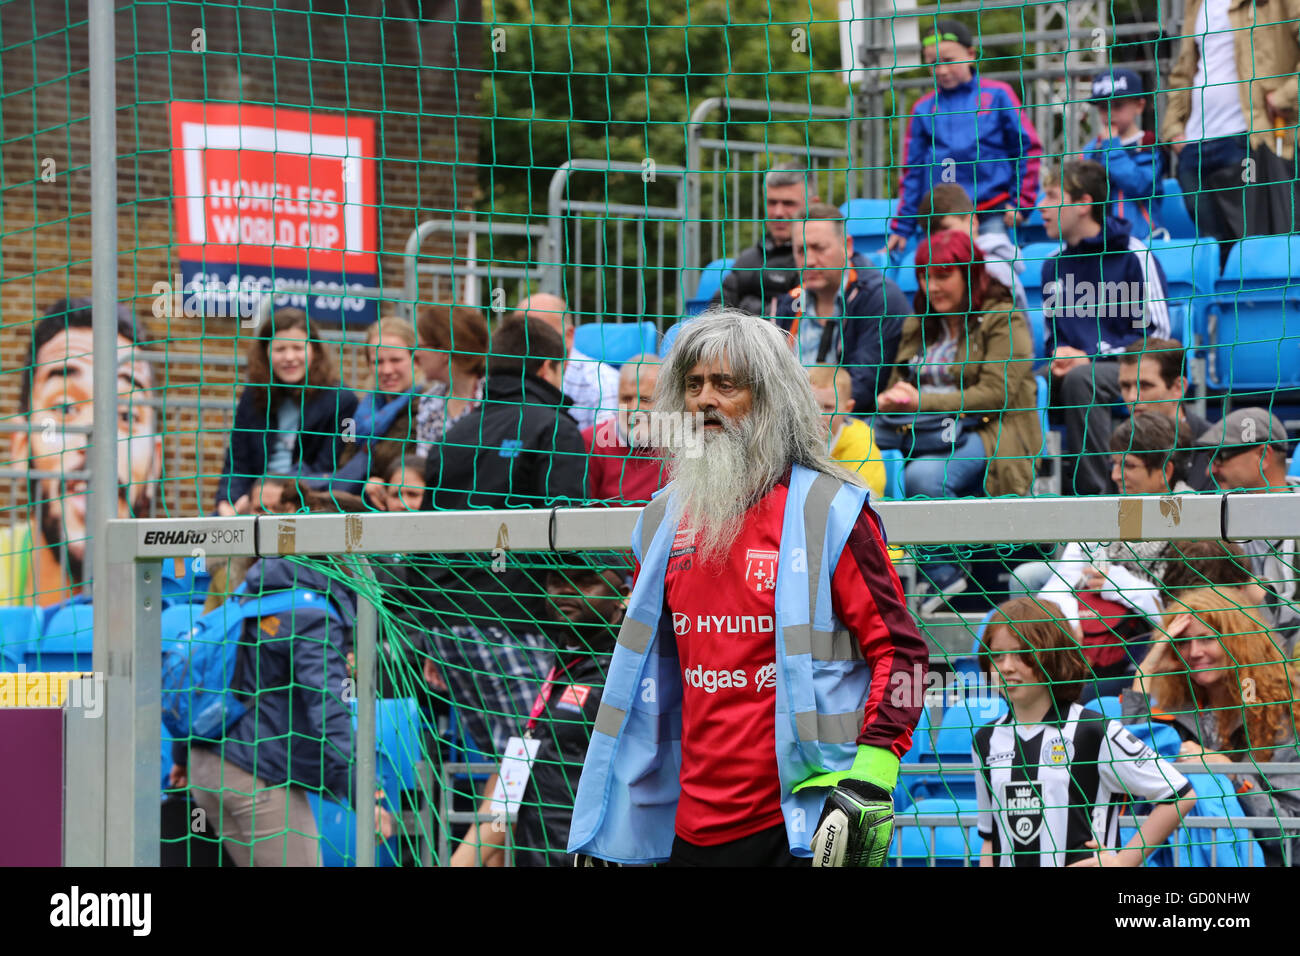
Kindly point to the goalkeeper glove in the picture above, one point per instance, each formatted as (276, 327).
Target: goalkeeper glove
(857, 821)
(856, 826)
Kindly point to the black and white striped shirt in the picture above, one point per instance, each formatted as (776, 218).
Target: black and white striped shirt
(1045, 789)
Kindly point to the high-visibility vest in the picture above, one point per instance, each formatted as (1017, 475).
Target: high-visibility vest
(631, 781)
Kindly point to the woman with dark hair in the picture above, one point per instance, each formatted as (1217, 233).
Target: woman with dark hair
(1050, 776)
(963, 378)
(1218, 675)
(452, 355)
(290, 416)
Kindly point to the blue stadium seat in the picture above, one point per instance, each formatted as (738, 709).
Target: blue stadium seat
(1042, 398)
(337, 826)
(1294, 468)
(867, 221)
(1253, 319)
(1033, 256)
(1169, 212)
(710, 282)
(67, 638)
(670, 336)
(1191, 272)
(1108, 706)
(904, 274)
(894, 467)
(1032, 230)
(960, 721)
(616, 342)
(398, 741)
(20, 629)
(952, 745)
(182, 581)
(950, 845)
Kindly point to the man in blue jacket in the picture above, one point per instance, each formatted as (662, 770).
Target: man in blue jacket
(1124, 149)
(970, 131)
(297, 733)
(845, 312)
(1102, 291)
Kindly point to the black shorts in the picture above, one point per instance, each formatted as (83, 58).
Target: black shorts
(768, 847)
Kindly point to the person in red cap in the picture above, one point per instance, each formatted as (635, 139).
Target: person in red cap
(961, 399)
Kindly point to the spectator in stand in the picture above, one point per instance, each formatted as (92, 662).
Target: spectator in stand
(1220, 678)
(1109, 591)
(42, 558)
(845, 313)
(451, 356)
(947, 206)
(592, 386)
(386, 418)
(766, 271)
(1146, 457)
(964, 362)
(625, 467)
(297, 734)
(1152, 379)
(851, 441)
(1123, 148)
(588, 602)
(1050, 776)
(1234, 78)
(1250, 454)
(517, 449)
(971, 131)
(292, 416)
(404, 484)
(1225, 567)
(1102, 291)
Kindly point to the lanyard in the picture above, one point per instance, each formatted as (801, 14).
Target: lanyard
(543, 698)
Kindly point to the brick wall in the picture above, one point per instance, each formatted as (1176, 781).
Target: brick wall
(410, 65)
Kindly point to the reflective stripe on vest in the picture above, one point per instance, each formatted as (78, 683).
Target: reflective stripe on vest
(799, 639)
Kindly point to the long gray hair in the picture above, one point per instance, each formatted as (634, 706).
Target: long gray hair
(787, 423)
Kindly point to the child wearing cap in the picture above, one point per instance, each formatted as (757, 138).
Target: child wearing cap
(971, 131)
(1124, 148)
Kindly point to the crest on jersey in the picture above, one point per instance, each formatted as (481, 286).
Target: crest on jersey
(760, 569)
(1022, 807)
(1057, 751)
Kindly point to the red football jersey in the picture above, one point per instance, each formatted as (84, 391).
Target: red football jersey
(724, 621)
(726, 643)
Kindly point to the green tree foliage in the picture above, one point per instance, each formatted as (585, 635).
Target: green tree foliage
(618, 80)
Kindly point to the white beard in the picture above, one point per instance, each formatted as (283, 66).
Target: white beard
(713, 490)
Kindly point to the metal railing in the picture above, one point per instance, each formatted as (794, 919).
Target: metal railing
(596, 276)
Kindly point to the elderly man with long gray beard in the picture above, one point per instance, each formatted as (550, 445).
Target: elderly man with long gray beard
(751, 714)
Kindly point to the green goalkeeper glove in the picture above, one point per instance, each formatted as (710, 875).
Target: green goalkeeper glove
(857, 822)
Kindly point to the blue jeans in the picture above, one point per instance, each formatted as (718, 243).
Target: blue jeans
(1210, 176)
(946, 476)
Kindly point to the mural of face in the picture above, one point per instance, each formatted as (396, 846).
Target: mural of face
(57, 442)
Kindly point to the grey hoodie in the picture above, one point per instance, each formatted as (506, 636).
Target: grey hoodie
(1002, 262)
